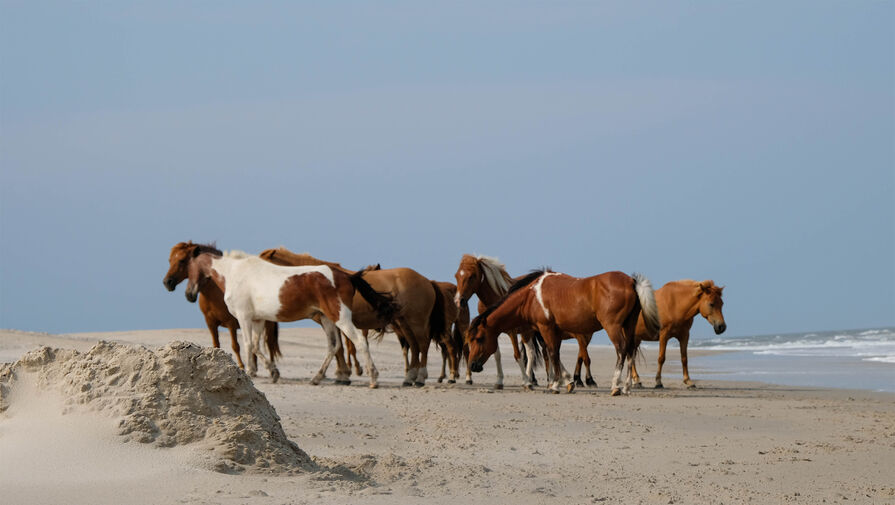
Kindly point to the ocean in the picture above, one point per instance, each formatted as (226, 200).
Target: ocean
(851, 359)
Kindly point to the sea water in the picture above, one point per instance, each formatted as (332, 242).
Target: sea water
(852, 359)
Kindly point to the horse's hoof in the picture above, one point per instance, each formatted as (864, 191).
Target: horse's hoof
(343, 382)
(374, 386)
(570, 387)
(316, 381)
(498, 386)
(534, 381)
(358, 372)
(691, 386)
(579, 383)
(440, 380)
(528, 387)
(469, 381)
(406, 383)
(615, 392)
(275, 376)
(637, 385)
(419, 384)
(659, 386)
(591, 383)
(451, 381)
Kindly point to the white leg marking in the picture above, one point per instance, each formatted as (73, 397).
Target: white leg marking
(499, 382)
(344, 323)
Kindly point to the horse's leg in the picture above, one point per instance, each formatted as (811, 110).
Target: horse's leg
(528, 372)
(259, 337)
(517, 355)
(663, 342)
(345, 324)
(589, 380)
(499, 383)
(234, 343)
(683, 340)
(246, 326)
(553, 339)
(444, 360)
(466, 358)
(423, 371)
(615, 336)
(635, 376)
(578, 362)
(351, 350)
(333, 350)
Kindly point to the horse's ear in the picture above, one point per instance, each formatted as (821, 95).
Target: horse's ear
(706, 286)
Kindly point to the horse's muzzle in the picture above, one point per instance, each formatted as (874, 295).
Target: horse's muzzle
(169, 283)
(476, 366)
(191, 295)
(719, 328)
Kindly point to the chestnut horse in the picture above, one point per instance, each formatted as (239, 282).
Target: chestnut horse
(679, 302)
(211, 301)
(420, 313)
(256, 291)
(556, 303)
(487, 278)
(456, 320)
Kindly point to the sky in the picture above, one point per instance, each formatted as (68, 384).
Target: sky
(748, 143)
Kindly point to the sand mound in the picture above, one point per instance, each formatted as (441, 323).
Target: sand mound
(181, 394)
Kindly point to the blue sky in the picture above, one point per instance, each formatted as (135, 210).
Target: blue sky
(753, 144)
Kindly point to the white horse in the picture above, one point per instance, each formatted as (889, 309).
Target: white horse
(256, 291)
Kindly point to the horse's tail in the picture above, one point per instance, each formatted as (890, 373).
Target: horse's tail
(647, 305)
(272, 329)
(437, 320)
(387, 310)
(537, 349)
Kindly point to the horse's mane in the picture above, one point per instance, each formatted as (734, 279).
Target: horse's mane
(521, 283)
(303, 259)
(707, 285)
(495, 273)
(237, 254)
(207, 248)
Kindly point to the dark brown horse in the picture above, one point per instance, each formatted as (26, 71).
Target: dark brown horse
(556, 303)
(420, 313)
(679, 302)
(211, 301)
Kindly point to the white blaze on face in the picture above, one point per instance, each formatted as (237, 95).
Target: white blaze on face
(539, 295)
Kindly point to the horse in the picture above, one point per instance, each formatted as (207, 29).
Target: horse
(487, 278)
(420, 308)
(456, 320)
(679, 302)
(256, 291)
(211, 301)
(557, 303)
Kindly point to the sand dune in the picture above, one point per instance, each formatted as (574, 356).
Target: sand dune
(723, 442)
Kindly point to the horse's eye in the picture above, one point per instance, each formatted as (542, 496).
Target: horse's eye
(183, 262)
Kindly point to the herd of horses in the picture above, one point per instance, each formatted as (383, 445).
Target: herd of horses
(537, 310)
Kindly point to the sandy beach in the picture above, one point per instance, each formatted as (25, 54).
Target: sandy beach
(724, 442)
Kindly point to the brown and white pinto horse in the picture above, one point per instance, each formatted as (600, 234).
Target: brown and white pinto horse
(679, 302)
(487, 278)
(211, 301)
(419, 312)
(256, 291)
(556, 303)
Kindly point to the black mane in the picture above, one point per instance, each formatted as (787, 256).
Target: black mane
(521, 283)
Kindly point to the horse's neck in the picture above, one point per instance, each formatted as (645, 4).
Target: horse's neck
(684, 304)
(509, 314)
(486, 294)
(302, 260)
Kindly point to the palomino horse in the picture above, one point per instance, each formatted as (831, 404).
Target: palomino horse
(556, 303)
(256, 291)
(211, 301)
(487, 278)
(420, 311)
(679, 302)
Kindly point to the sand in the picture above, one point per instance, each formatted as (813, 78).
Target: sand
(724, 442)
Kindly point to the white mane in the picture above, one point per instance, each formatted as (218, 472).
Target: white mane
(495, 273)
(236, 254)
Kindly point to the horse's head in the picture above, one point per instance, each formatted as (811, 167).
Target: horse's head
(469, 277)
(482, 342)
(198, 272)
(177, 264)
(710, 304)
